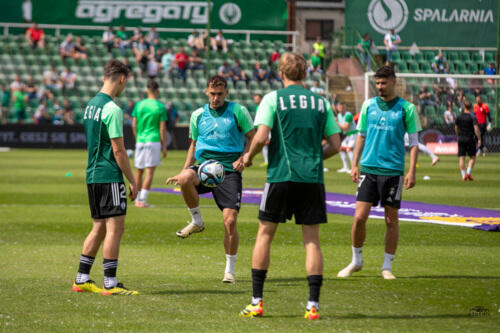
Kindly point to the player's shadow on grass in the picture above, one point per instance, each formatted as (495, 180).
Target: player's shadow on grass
(198, 291)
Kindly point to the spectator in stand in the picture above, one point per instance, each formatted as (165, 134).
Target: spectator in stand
(58, 118)
(4, 106)
(272, 75)
(449, 116)
(17, 84)
(171, 121)
(317, 89)
(20, 100)
(122, 39)
(476, 85)
(137, 34)
(31, 88)
(196, 42)
(80, 49)
(440, 64)
(482, 113)
(51, 78)
(391, 42)
(334, 101)
(319, 49)
(224, 70)
(219, 43)
(425, 98)
(195, 61)
(490, 70)
(35, 37)
(44, 93)
(237, 73)
(153, 67)
(130, 69)
(259, 73)
(68, 114)
(68, 79)
(142, 50)
(315, 66)
(42, 116)
(108, 38)
(182, 61)
(166, 62)
(152, 35)
(275, 56)
(127, 112)
(67, 48)
(364, 46)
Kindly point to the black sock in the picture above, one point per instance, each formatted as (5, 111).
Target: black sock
(86, 263)
(258, 277)
(110, 267)
(315, 282)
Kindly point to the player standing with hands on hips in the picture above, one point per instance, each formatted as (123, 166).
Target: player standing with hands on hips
(382, 125)
(107, 161)
(298, 120)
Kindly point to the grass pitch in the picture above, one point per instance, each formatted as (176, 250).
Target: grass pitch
(442, 271)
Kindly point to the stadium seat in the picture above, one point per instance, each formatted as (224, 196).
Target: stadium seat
(413, 67)
(452, 56)
(419, 56)
(489, 57)
(465, 56)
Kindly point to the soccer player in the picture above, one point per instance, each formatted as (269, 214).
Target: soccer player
(346, 123)
(217, 131)
(465, 127)
(298, 120)
(380, 144)
(421, 147)
(108, 160)
(483, 115)
(149, 126)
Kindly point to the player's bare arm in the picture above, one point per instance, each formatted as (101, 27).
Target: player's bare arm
(134, 127)
(332, 147)
(163, 138)
(123, 162)
(478, 135)
(239, 165)
(258, 141)
(409, 180)
(358, 148)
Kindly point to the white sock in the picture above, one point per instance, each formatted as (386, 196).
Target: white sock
(110, 282)
(230, 260)
(196, 216)
(310, 304)
(144, 195)
(343, 157)
(356, 256)
(265, 153)
(256, 300)
(81, 277)
(469, 170)
(388, 258)
(462, 172)
(350, 153)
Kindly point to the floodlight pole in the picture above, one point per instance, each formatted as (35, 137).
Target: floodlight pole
(207, 45)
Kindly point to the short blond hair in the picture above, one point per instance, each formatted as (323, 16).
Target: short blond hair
(293, 66)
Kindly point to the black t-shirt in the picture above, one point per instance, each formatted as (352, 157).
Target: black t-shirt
(465, 123)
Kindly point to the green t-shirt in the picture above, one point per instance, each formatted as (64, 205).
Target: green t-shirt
(5, 97)
(122, 35)
(149, 113)
(299, 120)
(103, 121)
(365, 45)
(243, 121)
(315, 60)
(19, 102)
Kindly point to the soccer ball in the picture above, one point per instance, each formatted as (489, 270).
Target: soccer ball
(130, 153)
(211, 173)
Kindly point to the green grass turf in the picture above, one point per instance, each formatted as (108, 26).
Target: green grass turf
(443, 271)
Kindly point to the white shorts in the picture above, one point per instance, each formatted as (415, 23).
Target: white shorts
(147, 154)
(349, 141)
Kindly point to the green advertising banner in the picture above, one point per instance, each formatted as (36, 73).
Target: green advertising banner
(255, 14)
(461, 23)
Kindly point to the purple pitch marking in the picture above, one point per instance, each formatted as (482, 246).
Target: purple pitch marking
(413, 211)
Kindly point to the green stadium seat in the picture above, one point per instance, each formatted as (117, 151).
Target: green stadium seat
(429, 55)
(426, 67)
(265, 86)
(419, 56)
(405, 55)
(413, 67)
(402, 67)
(188, 105)
(465, 56)
(452, 56)
(395, 56)
(489, 57)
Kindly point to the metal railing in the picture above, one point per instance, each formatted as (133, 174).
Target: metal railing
(61, 27)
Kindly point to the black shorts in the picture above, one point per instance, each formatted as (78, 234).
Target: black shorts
(107, 200)
(304, 200)
(467, 148)
(228, 193)
(386, 189)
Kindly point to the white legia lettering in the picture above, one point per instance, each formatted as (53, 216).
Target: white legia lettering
(97, 114)
(321, 105)
(147, 11)
(282, 104)
(292, 102)
(303, 101)
(85, 114)
(313, 102)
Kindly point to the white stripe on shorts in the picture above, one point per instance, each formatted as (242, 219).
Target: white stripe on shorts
(114, 191)
(264, 198)
(400, 188)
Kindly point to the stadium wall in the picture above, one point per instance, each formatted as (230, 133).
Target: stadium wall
(66, 136)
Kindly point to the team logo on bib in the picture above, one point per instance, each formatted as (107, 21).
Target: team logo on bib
(388, 14)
